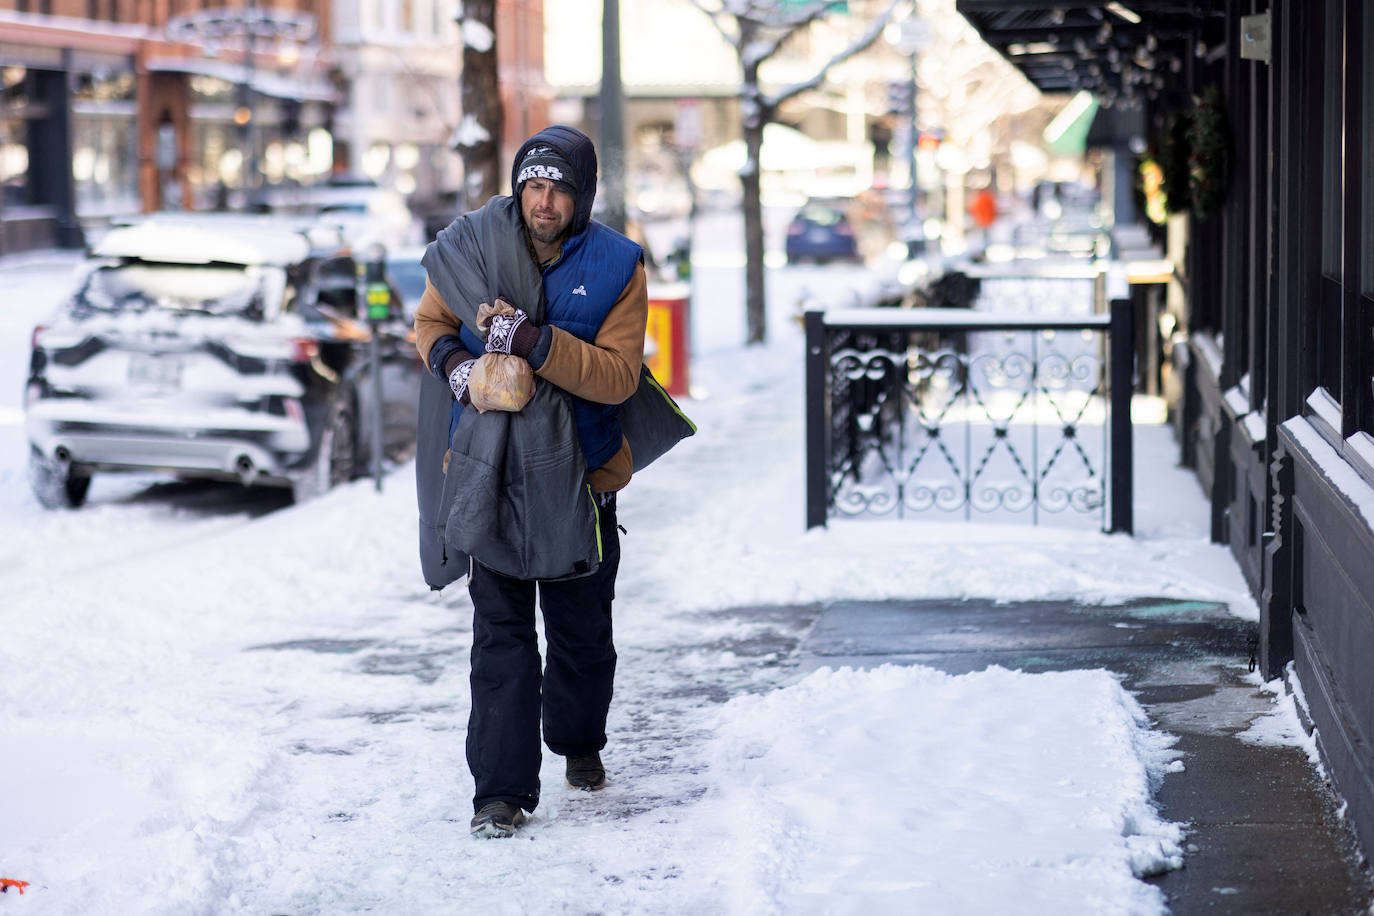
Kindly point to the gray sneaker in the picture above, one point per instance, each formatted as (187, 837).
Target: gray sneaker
(497, 819)
(586, 772)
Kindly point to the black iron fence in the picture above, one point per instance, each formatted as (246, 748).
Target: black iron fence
(957, 412)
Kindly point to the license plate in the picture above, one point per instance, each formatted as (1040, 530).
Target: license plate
(159, 372)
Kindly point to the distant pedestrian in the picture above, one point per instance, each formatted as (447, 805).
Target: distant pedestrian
(573, 308)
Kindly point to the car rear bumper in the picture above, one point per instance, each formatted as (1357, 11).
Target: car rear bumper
(827, 250)
(246, 445)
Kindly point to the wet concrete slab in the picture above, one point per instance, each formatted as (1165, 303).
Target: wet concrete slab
(1263, 830)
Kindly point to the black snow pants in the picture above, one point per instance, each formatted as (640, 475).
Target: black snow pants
(510, 697)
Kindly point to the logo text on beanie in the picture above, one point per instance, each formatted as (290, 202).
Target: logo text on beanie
(551, 172)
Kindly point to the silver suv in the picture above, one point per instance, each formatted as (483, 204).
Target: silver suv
(214, 347)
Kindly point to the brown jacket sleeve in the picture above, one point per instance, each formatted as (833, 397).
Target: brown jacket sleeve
(607, 369)
(433, 320)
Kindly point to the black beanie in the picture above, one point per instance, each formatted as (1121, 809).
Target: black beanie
(547, 162)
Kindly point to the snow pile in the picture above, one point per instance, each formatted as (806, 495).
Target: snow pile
(1283, 725)
(909, 790)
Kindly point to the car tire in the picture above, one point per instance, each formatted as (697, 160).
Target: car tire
(336, 459)
(54, 484)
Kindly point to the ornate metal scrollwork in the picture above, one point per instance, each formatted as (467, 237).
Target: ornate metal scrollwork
(996, 423)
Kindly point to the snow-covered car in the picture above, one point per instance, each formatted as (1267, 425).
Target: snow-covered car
(214, 347)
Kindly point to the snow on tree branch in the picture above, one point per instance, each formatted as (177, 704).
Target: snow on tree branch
(715, 15)
(477, 36)
(870, 35)
(759, 51)
(469, 134)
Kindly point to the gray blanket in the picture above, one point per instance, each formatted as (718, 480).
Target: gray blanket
(515, 496)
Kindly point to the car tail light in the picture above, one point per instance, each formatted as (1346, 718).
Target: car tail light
(304, 349)
(796, 229)
(37, 333)
(844, 229)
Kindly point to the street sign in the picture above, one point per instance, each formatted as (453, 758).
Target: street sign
(798, 6)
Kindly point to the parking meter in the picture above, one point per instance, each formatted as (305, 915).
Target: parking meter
(374, 298)
(378, 293)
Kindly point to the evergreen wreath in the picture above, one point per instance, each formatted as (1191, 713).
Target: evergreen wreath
(1209, 162)
(1175, 149)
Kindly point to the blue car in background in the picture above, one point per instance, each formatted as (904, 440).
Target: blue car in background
(820, 232)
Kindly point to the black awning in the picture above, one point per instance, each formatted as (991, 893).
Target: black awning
(1115, 50)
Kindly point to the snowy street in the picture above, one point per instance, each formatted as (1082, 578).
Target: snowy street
(216, 703)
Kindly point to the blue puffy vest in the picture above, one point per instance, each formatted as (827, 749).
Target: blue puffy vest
(579, 289)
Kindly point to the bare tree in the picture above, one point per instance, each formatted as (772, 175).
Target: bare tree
(478, 137)
(757, 29)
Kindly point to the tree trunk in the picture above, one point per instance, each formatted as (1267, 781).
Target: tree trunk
(754, 115)
(479, 131)
(752, 201)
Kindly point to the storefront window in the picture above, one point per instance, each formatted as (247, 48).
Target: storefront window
(104, 86)
(14, 149)
(104, 141)
(211, 89)
(1366, 303)
(1367, 172)
(1333, 162)
(104, 163)
(1333, 105)
(14, 162)
(217, 162)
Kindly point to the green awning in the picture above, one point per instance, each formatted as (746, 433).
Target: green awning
(1067, 134)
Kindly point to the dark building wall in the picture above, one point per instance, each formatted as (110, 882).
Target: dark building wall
(1293, 401)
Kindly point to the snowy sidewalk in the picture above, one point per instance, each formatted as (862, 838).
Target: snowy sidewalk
(216, 714)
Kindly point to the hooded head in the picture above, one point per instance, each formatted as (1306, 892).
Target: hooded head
(566, 156)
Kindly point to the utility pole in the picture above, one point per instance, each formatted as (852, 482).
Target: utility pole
(612, 118)
(915, 139)
(913, 36)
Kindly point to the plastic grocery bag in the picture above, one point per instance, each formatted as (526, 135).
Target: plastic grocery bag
(499, 381)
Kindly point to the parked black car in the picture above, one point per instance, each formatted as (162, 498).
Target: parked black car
(220, 347)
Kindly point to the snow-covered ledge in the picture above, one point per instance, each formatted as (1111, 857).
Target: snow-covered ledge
(1342, 475)
(1250, 422)
(1210, 351)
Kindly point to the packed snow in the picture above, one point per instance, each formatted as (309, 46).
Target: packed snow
(229, 711)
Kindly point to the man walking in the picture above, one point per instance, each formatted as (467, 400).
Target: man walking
(591, 346)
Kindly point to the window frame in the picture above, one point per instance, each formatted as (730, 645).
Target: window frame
(1343, 314)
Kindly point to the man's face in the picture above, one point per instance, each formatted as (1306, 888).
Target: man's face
(547, 208)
